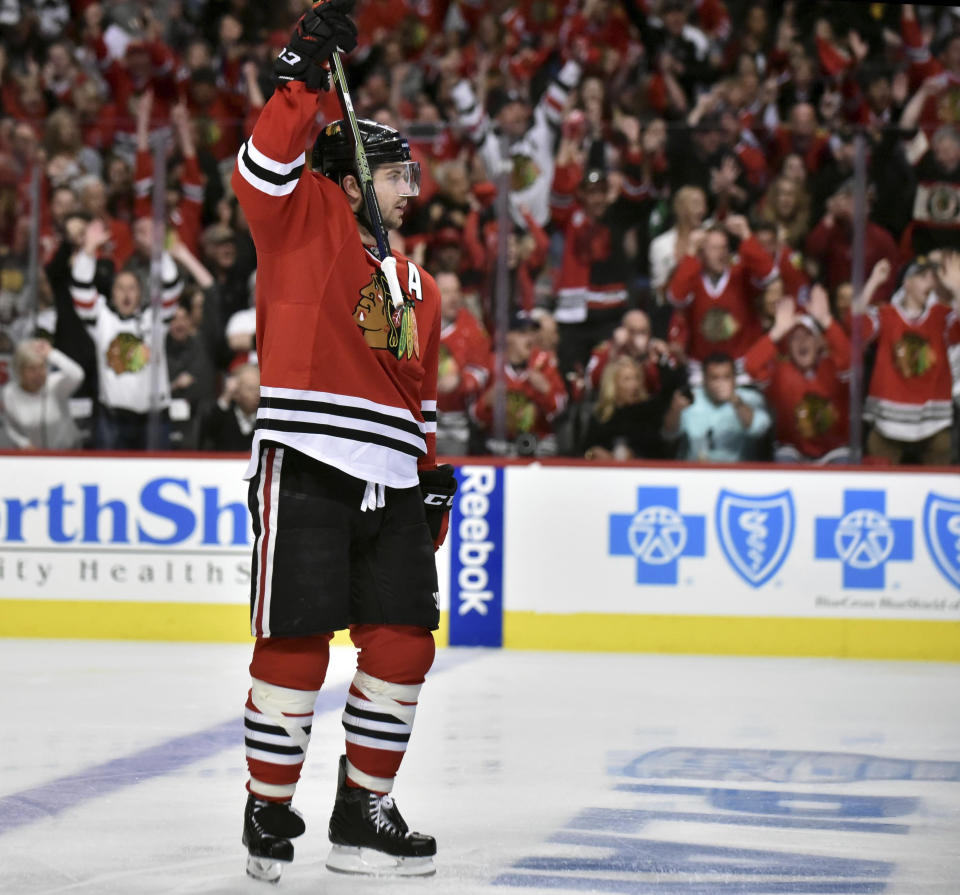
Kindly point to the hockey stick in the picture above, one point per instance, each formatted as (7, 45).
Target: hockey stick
(388, 264)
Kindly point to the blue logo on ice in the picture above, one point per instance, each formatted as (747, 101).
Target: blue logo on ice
(755, 533)
(657, 535)
(941, 528)
(864, 539)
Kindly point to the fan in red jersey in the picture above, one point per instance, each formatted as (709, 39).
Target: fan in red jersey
(803, 365)
(462, 373)
(714, 293)
(535, 395)
(909, 402)
(347, 501)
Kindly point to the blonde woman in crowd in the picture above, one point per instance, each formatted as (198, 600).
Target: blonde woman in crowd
(787, 205)
(626, 420)
(36, 408)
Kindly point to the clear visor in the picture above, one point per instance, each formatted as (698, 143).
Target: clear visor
(404, 177)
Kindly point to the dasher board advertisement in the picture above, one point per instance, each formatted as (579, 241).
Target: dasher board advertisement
(108, 528)
(733, 542)
(124, 528)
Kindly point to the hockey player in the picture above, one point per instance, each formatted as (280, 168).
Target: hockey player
(347, 503)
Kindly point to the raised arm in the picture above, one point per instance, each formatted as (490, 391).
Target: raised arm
(270, 164)
(191, 180)
(684, 279)
(71, 373)
(86, 300)
(143, 163)
(914, 107)
(878, 276)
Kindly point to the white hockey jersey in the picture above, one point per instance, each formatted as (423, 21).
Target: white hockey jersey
(530, 158)
(131, 357)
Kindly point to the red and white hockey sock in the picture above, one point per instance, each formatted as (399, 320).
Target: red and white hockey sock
(277, 724)
(287, 674)
(378, 719)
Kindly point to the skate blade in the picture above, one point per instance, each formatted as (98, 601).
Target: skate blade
(370, 862)
(265, 869)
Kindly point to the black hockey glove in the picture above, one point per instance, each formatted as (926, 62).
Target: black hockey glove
(323, 29)
(438, 487)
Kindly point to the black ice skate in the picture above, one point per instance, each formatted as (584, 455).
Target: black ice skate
(369, 835)
(268, 828)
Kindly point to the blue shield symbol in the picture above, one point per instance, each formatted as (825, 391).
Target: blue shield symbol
(755, 533)
(941, 528)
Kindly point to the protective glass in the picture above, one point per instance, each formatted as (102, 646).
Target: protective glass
(402, 176)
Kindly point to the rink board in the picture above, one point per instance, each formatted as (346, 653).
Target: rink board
(666, 558)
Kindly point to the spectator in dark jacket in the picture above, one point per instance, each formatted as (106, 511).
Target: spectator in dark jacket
(230, 423)
(626, 422)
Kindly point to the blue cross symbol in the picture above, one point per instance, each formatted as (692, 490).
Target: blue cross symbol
(864, 539)
(657, 535)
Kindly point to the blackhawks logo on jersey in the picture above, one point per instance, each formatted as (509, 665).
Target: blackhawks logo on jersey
(384, 326)
(447, 363)
(814, 415)
(948, 106)
(127, 353)
(521, 414)
(913, 355)
(718, 325)
(524, 173)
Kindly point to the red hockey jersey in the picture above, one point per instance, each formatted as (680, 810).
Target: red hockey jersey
(465, 346)
(529, 411)
(345, 378)
(721, 316)
(910, 388)
(811, 409)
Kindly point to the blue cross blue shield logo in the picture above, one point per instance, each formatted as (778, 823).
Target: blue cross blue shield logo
(864, 539)
(755, 533)
(658, 535)
(941, 528)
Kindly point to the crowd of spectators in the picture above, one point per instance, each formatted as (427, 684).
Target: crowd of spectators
(680, 215)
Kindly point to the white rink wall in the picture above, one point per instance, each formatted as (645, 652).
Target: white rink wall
(574, 556)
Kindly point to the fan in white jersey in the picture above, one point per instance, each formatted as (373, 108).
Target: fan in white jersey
(131, 360)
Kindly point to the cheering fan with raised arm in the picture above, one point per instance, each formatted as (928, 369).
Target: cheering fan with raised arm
(347, 501)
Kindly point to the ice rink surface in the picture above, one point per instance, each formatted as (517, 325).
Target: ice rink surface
(122, 771)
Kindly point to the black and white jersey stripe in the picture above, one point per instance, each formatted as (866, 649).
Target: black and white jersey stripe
(428, 410)
(365, 439)
(266, 174)
(193, 192)
(343, 416)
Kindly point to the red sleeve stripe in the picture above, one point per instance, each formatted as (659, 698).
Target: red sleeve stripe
(555, 97)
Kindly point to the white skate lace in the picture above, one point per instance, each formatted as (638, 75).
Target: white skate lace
(379, 805)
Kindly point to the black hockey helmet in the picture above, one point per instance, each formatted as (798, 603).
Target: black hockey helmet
(333, 156)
